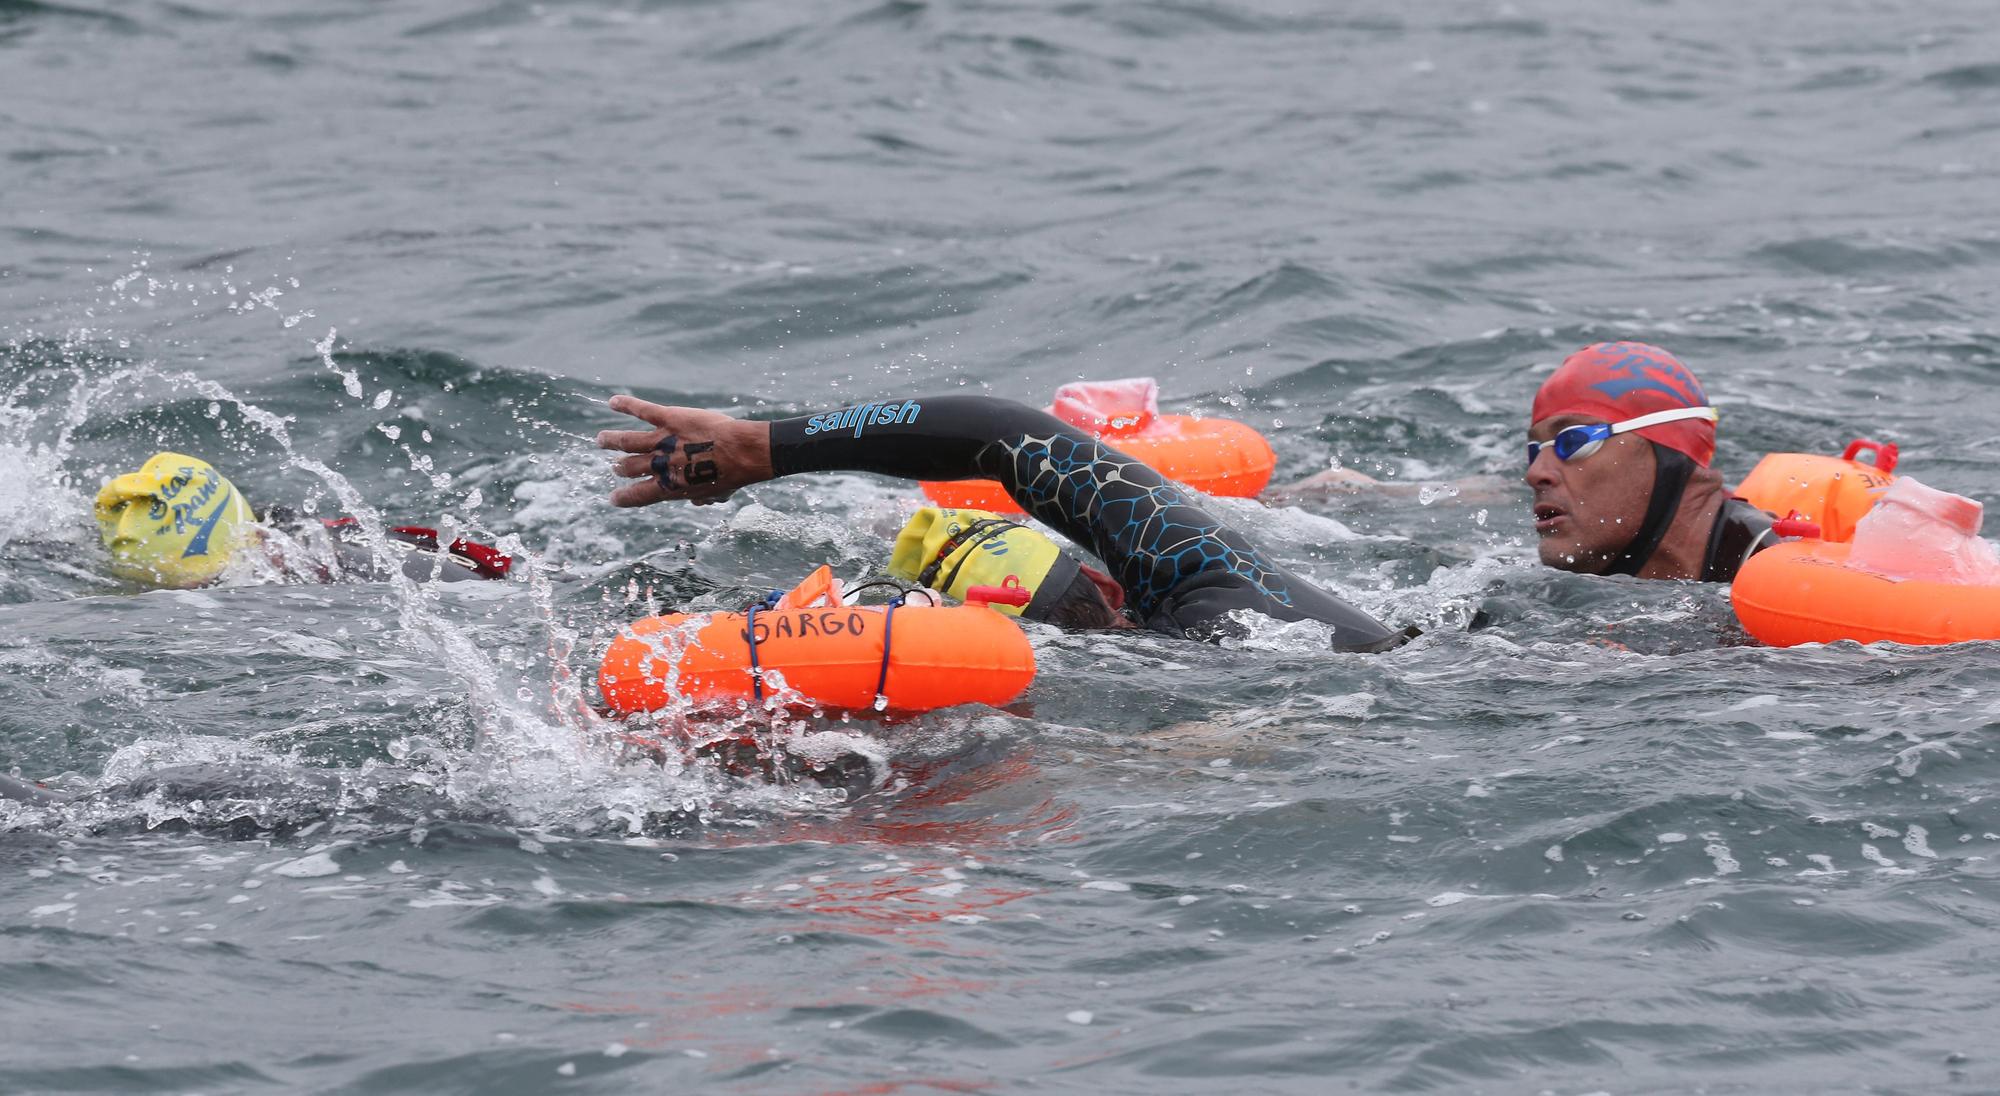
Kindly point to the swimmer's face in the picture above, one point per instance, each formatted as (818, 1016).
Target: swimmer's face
(1587, 510)
(1084, 605)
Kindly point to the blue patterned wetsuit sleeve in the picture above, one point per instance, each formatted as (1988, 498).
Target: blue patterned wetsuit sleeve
(1183, 570)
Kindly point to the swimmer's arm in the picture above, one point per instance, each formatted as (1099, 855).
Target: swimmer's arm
(1333, 481)
(1163, 550)
(935, 438)
(1346, 482)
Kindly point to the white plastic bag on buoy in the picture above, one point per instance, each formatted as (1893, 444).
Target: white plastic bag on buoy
(1108, 407)
(1919, 533)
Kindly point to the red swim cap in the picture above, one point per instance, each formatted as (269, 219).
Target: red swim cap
(1616, 381)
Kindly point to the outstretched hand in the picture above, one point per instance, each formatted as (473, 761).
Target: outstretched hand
(702, 456)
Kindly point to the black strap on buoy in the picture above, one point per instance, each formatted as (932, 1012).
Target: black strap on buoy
(888, 633)
(902, 589)
(968, 538)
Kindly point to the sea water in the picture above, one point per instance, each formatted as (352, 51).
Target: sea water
(391, 260)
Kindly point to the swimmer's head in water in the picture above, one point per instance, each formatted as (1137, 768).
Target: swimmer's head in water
(1594, 512)
(1618, 381)
(175, 522)
(952, 551)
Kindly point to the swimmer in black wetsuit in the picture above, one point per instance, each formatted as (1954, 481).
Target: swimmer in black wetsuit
(1182, 570)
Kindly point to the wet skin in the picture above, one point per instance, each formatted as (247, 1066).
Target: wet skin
(1587, 510)
(713, 454)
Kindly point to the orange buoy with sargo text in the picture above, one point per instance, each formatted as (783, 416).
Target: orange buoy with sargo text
(896, 657)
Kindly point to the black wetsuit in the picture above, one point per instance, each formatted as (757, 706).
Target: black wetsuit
(1741, 531)
(1182, 569)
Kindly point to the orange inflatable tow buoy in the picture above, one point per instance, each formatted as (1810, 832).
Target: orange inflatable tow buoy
(1803, 592)
(1831, 492)
(916, 657)
(1214, 456)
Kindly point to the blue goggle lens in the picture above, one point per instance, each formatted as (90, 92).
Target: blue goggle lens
(1573, 443)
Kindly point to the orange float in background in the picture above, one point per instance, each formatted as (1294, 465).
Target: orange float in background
(1831, 492)
(829, 654)
(1803, 592)
(1214, 456)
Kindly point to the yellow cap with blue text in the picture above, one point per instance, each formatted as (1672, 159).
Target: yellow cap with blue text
(174, 522)
(952, 551)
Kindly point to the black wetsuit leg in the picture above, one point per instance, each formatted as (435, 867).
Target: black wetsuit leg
(1182, 569)
(20, 791)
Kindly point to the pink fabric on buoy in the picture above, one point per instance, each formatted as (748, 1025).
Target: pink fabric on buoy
(1918, 533)
(1108, 407)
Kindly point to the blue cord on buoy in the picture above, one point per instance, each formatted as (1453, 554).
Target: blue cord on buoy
(756, 675)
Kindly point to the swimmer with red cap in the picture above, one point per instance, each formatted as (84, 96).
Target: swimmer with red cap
(1619, 444)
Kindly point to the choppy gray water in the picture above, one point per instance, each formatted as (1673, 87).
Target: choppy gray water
(390, 259)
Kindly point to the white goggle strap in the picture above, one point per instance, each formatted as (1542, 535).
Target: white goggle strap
(1661, 418)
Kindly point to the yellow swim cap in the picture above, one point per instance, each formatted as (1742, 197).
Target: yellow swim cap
(952, 551)
(174, 522)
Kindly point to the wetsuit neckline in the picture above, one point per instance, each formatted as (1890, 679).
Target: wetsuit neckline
(1740, 531)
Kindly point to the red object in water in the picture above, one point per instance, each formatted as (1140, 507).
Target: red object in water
(489, 561)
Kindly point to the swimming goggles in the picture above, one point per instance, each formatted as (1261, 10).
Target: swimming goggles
(1578, 442)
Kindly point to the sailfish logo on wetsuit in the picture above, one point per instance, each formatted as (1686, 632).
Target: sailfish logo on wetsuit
(862, 417)
(1645, 373)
